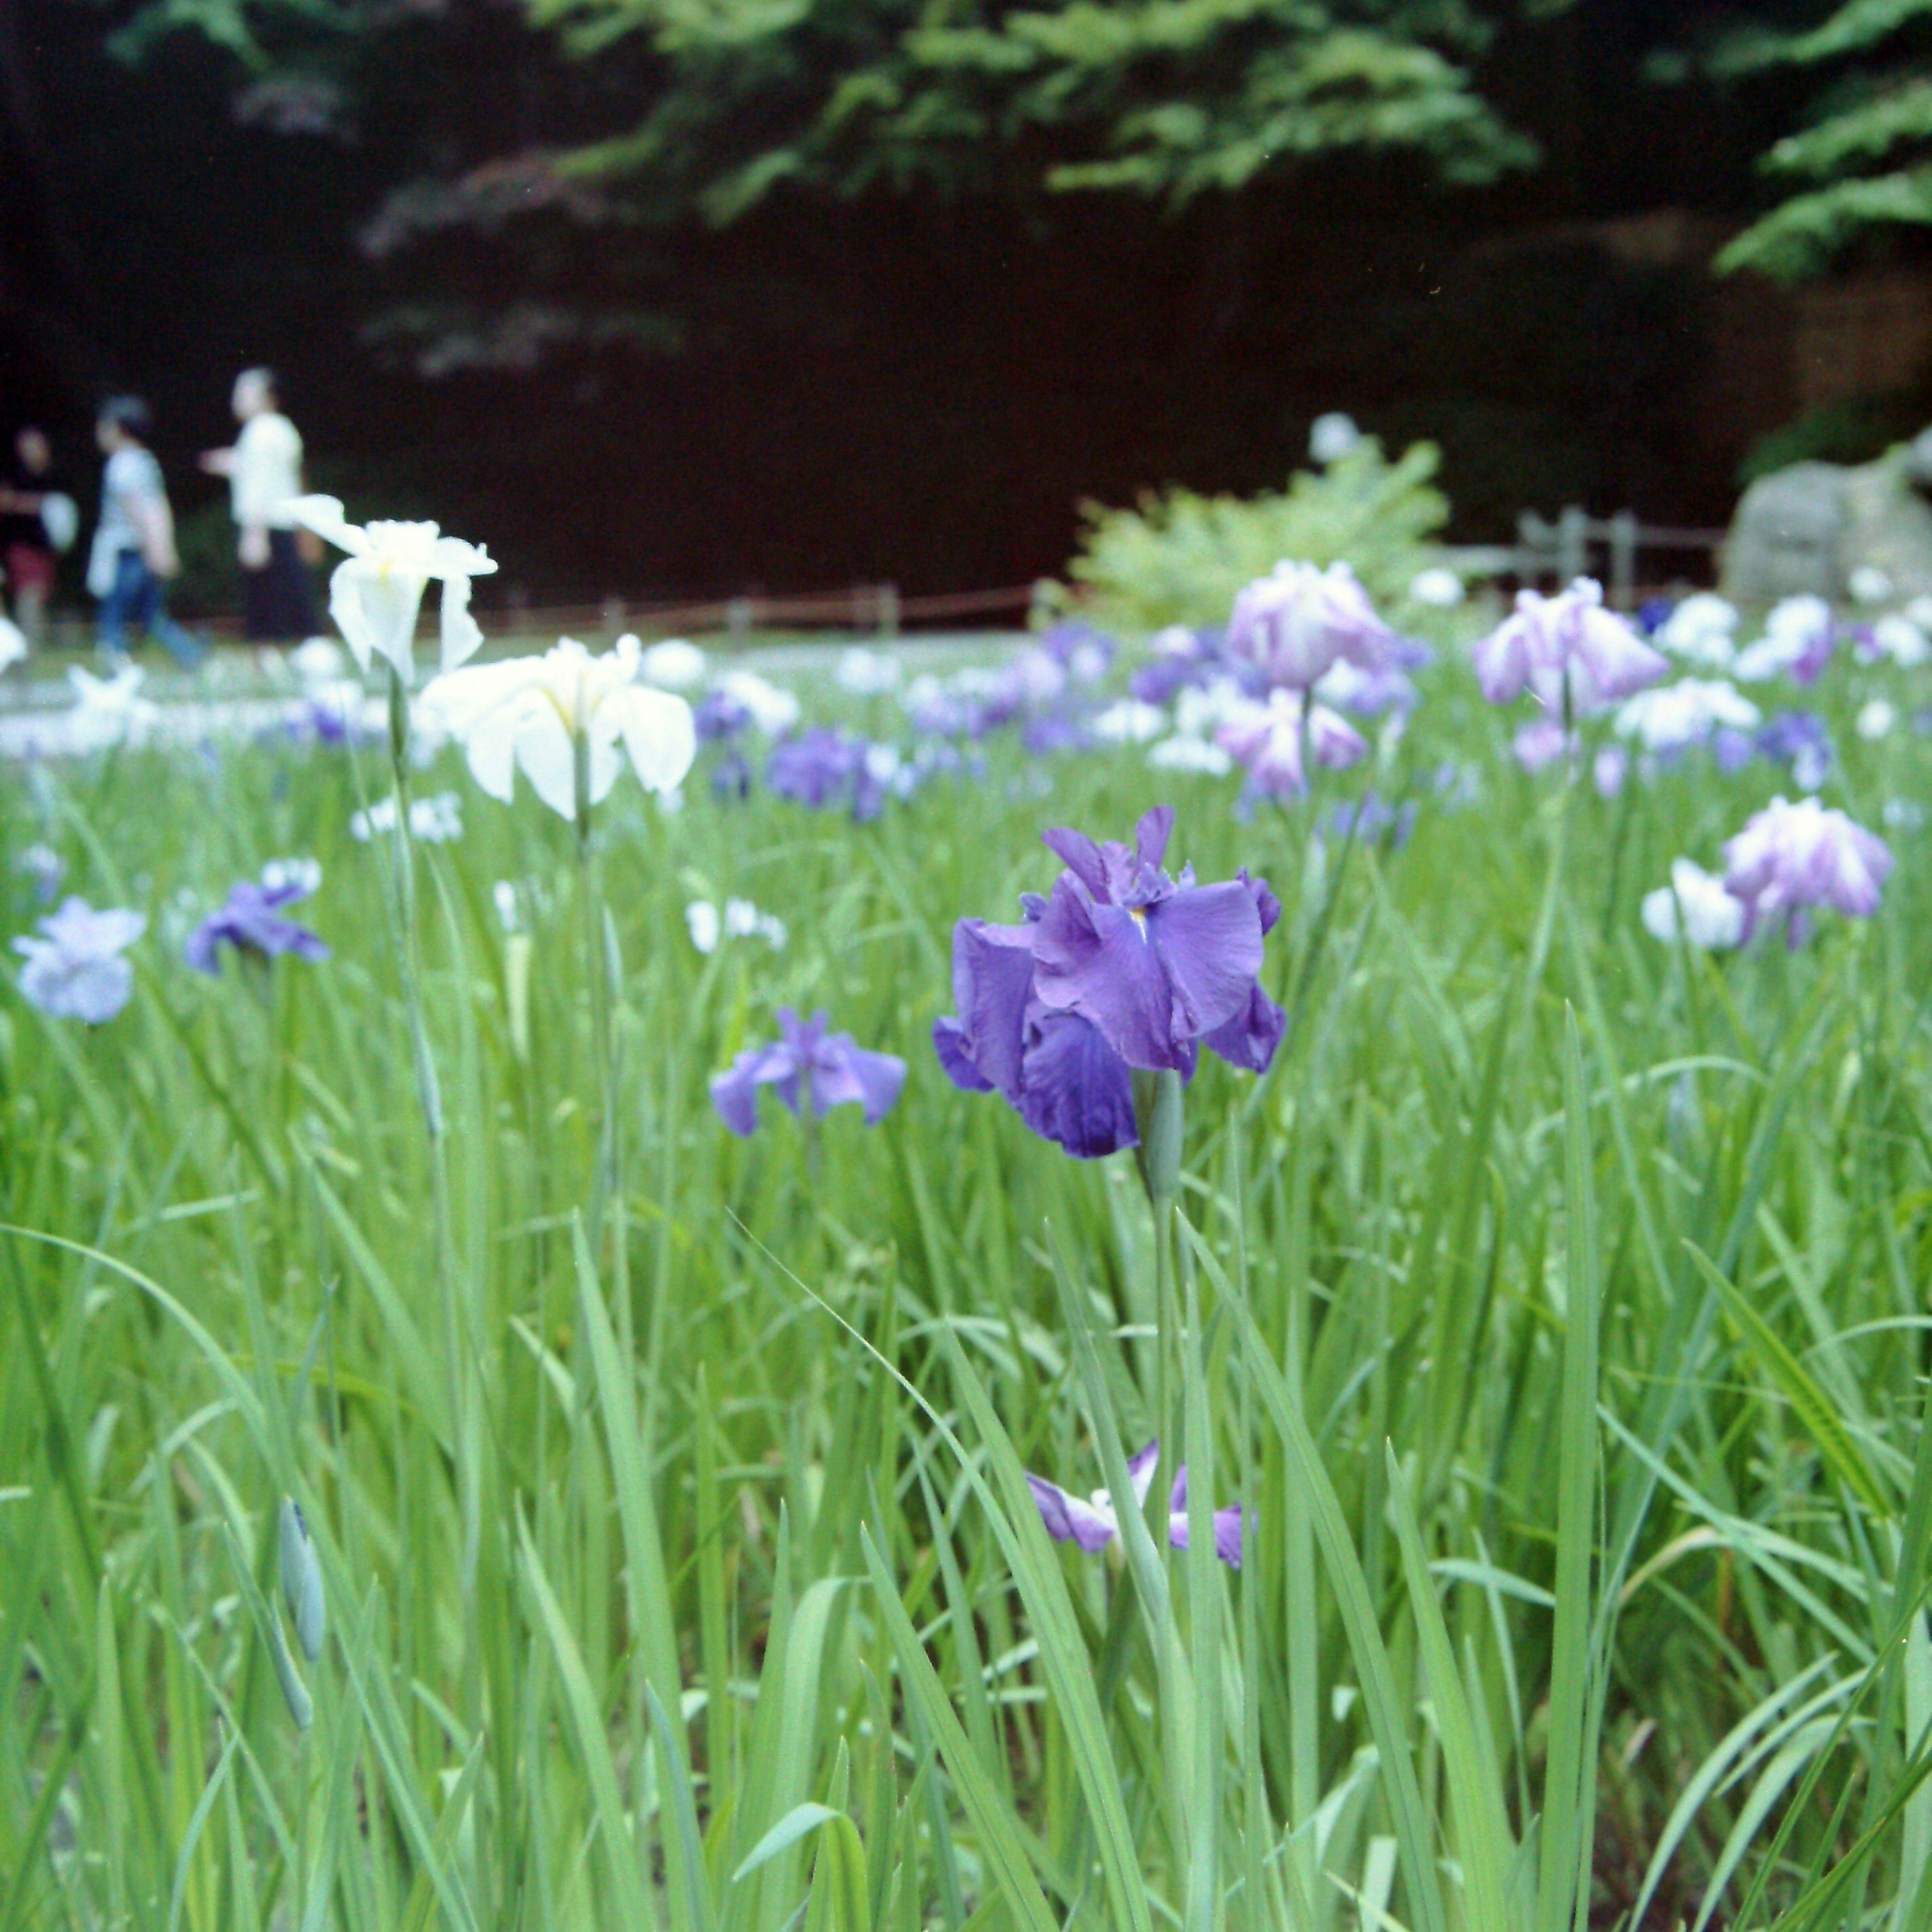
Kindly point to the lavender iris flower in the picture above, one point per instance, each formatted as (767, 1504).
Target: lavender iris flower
(251, 923)
(74, 970)
(812, 1070)
(1374, 818)
(1120, 967)
(1566, 650)
(1295, 625)
(1269, 739)
(1094, 1523)
(719, 714)
(1788, 857)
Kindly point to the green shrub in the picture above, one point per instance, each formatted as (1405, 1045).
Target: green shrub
(1180, 558)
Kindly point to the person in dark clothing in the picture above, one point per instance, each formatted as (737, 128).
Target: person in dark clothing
(31, 501)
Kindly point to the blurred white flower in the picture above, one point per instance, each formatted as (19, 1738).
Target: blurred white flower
(1129, 722)
(1903, 815)
(317, 661)
(1876, 719)
(1702, 631)
(302, 874)
(1798, 636)
(531, 714)
(1868, 584)
(1087, 663)
(1176, 641)
(1670, 717)
(109, 710)
(1185, 753)
(741, 920)
(1902, 640)
(13, 642)
(676, 664)
(1199, 708)
(866, 673)
(1332, 436)
(435, 820)
(1714, 921)
(1438, 585)
(375, 592)
(505, 896)
(1609, 770)
(774, 712)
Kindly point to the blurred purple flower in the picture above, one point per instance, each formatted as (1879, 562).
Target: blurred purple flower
(812, 1071)
(1609, 770)
(1268, 739)
(46, 868)
(822, 766)
(251, 923)
(1791, 857)
(719, 714)
(1085, 652)
(1567, 650)
(1094, 1524)
(1373, 818)
(1295, 624)
(74, 970)
(1541, 742)
(1800, 739)
(1732, 750)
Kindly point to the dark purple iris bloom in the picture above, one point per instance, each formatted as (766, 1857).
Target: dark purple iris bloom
(1094, 1524)
(1654, 614)
(1120, 967)
(718, 715)
(1056, 731)
(731, 777)
(822, 766)
(1158, 964)
(1798, 739)
(1732, 749)
(251, 923)
(1162, 680)
(812, 1071)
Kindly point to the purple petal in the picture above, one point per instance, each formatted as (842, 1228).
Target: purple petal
(1075, 1090)
(1209, 939)
(1152, 833)
(1227, 1533)
(1080, 855)
(1096, 961)
(950, 1042)
(1068, 1519)
(735, 1094)
(1266, 904)
(1141, 1469)
(841, 1071)
(1249, 1039)
(992, 981)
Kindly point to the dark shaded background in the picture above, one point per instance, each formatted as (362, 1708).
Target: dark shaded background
(909, 387)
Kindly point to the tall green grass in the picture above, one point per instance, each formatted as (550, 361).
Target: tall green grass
(1556, 1304)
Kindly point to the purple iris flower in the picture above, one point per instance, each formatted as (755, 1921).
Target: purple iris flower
(1094, 1524)
(822, 766)
(1295, 625)
(251, 923)
(1569, 651)
(1120, 967)
(1800, 739)
(813, 1070)
(1085, 652)
(1790, 857)
(719, 714)
(74, 970)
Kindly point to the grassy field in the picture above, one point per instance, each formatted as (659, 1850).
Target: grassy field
(1556, 1302)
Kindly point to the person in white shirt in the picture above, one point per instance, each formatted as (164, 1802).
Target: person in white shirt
(264, 468)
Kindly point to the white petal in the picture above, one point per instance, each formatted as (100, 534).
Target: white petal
(375, 610)
(491, 747)
(451, 556)
(658, 734)
(462, 635)
(323, 515)
(548, 756)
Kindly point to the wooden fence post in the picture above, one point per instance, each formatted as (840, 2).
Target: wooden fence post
(1572, 544)
(1624, 534)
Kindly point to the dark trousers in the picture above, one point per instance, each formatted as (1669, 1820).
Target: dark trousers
(278, 600)
(138, 602)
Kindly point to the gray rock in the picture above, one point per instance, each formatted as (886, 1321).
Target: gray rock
(1808, 528)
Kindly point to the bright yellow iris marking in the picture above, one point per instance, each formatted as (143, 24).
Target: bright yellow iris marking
(1139, 918)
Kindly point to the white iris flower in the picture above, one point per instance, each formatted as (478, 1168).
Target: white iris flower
(531, 713)
(376, 590)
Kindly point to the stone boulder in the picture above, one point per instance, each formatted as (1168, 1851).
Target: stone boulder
(1808, 528)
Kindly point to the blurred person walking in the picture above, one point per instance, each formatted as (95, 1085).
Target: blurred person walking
(38, 521)
(134, 554)
(264, 468)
